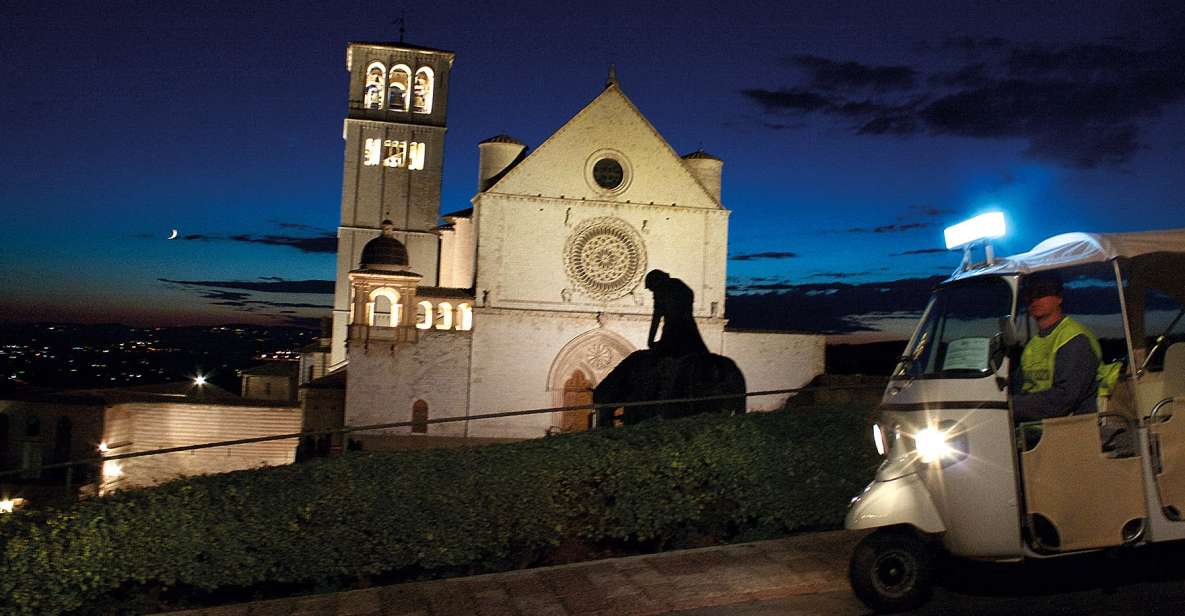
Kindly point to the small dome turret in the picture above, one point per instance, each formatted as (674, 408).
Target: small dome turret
(384, 252)
(707, 169)
(495, 156)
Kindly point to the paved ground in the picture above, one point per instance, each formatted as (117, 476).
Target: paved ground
(1144, 581)
(799, 576)
(803, 567)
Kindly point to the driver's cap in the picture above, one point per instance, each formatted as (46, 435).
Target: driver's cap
(1042, 284)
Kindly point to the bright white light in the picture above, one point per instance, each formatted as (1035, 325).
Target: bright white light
(878, 438)
(931, 445)
(7, 505)
(199, 380)
(104, 448)
(981, 227)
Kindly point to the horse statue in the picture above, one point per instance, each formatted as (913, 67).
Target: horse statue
(675, 367)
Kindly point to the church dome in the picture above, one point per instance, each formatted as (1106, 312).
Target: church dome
(503, 138)
(700, 155)
(384, 251)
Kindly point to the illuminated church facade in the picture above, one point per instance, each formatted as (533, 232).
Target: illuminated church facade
(533, 294)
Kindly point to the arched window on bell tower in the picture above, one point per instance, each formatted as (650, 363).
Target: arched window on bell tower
(444, 315)
(421, 93)
(464, 319)
(384, 307)
(399, 88)
(373, 88)
(424, 315)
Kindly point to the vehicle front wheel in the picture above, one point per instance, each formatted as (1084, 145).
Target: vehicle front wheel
(892, 570)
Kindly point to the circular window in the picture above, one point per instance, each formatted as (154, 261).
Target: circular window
(608, 174)
(605, 257)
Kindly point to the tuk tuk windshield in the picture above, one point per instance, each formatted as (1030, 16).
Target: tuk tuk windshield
(957, 335)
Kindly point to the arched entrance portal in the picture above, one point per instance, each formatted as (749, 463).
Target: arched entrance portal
(577, 368)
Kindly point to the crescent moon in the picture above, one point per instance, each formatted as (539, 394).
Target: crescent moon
(174, 235)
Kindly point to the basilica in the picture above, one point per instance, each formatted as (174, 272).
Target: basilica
(527, 296)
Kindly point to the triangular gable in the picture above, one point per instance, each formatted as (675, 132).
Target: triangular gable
(611, 123)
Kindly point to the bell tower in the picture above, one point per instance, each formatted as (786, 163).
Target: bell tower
(394, 134)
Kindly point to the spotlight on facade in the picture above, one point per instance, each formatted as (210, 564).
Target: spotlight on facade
(112, 469)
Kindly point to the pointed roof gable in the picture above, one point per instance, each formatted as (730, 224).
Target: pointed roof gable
(608, 126)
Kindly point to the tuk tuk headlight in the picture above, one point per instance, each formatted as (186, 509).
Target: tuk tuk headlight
(937, 444)
(931, 445)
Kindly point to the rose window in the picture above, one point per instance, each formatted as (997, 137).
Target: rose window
(605, 258)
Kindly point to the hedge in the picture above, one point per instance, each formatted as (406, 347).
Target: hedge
(390, 516)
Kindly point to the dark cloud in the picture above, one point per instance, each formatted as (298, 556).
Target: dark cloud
(970, 76)
(831, 75)
(764, 255)
(1081, 106)
(824, 307)
(225, 297)
(842, 275)
(297, 225)
(765, 286)
(322, 241)
(284, 286)
(237, 299)
(793, 99)
(319, 243)
(893, 228)
(970, 43)
(921, 251)
(930, 210)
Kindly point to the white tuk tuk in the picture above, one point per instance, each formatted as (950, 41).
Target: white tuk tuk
(960, 475)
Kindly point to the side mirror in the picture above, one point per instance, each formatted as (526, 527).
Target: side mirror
(1009, 336)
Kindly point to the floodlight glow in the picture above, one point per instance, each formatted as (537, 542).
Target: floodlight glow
(7, 505)
(103, 448)
(199, 380)
(981, 227)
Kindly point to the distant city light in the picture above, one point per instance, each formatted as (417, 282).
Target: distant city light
(984, 226)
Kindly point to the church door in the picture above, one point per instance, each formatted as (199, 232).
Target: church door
(577, 390)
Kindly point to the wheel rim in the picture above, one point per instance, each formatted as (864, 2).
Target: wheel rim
(894, 573)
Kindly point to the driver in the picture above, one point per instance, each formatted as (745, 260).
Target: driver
(1060, 365)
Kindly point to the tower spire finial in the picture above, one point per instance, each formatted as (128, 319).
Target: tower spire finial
(612, 81)
(402, 21)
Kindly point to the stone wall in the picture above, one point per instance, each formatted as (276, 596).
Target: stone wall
(386, 380)
(772, 360)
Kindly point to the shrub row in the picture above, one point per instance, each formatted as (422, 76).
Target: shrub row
(397, 515)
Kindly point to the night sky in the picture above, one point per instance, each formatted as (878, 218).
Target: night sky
(852, 133)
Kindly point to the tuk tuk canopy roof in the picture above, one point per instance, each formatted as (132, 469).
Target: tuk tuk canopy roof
(1069, 249)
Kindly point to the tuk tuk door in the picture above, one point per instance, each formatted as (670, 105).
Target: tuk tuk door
(1081, 491)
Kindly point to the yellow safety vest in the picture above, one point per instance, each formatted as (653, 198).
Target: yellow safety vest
(1037, 360)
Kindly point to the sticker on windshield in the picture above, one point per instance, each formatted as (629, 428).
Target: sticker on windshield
(967, 354)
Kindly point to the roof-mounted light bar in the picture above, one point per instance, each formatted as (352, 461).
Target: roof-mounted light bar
(982, 227)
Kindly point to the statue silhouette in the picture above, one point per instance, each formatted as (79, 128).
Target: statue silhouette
(677, 365)
(673, 302)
